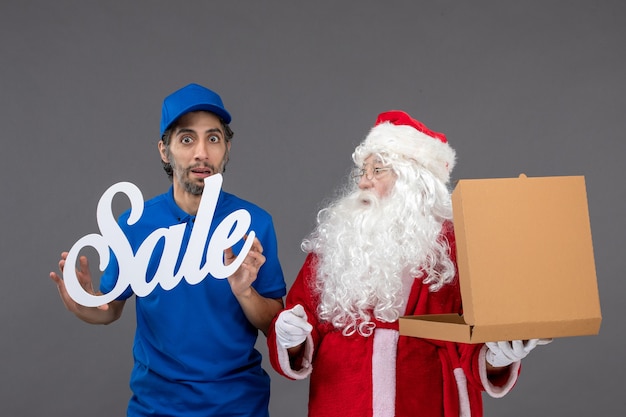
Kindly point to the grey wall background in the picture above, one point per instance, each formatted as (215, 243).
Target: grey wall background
(534, 86)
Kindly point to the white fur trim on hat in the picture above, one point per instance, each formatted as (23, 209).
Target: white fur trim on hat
(405, 141)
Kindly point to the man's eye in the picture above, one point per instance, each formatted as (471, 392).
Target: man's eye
(214, 139)
(186, 139)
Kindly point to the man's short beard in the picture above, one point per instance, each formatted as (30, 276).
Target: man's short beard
(191, 187)
(182, 174)
(366, 245)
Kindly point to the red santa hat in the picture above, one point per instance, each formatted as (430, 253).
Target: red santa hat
(395, 132)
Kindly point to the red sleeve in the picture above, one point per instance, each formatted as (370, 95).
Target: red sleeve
(301, 292)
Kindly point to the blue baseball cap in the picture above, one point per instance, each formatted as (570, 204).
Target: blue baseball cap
(192, 97)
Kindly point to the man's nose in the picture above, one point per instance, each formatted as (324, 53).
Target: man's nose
(201, 151)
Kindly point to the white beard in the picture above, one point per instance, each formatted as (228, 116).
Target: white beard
(366, 245)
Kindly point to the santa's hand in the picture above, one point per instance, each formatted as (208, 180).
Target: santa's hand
(505, 353)
(292, 327)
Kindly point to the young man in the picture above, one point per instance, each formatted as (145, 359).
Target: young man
(194, 344)
(383, 250)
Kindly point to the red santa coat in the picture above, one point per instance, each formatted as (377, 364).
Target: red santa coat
(386, 374)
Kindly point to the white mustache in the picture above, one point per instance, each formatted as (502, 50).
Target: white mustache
(367, 197)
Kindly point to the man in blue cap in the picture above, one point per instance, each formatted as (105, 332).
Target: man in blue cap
(194, 344)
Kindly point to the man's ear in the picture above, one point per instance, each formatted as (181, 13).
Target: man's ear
(161, 147)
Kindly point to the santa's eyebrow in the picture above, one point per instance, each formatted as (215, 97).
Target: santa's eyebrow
(373, 164)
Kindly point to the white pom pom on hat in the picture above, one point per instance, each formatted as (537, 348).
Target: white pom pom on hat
(395, 132)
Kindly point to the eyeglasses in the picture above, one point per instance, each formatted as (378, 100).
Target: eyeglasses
(370, 173)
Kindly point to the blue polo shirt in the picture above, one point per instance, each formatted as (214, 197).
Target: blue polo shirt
(194, 348)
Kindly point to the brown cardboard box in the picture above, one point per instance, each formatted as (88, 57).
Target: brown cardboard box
(525, 260)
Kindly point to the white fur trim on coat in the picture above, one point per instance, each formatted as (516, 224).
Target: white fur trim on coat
(461, 384)
(492, 390)
(384, 372)
(285, 365)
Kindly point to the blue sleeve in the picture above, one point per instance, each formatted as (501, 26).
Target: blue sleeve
(270, 281)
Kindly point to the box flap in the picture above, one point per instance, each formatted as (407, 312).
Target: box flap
(452, 327)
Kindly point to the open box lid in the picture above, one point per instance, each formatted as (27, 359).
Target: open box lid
(525, 261)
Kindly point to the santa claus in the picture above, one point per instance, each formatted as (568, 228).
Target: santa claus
(384, 249)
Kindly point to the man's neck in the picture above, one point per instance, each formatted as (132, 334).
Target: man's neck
(188, 202)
